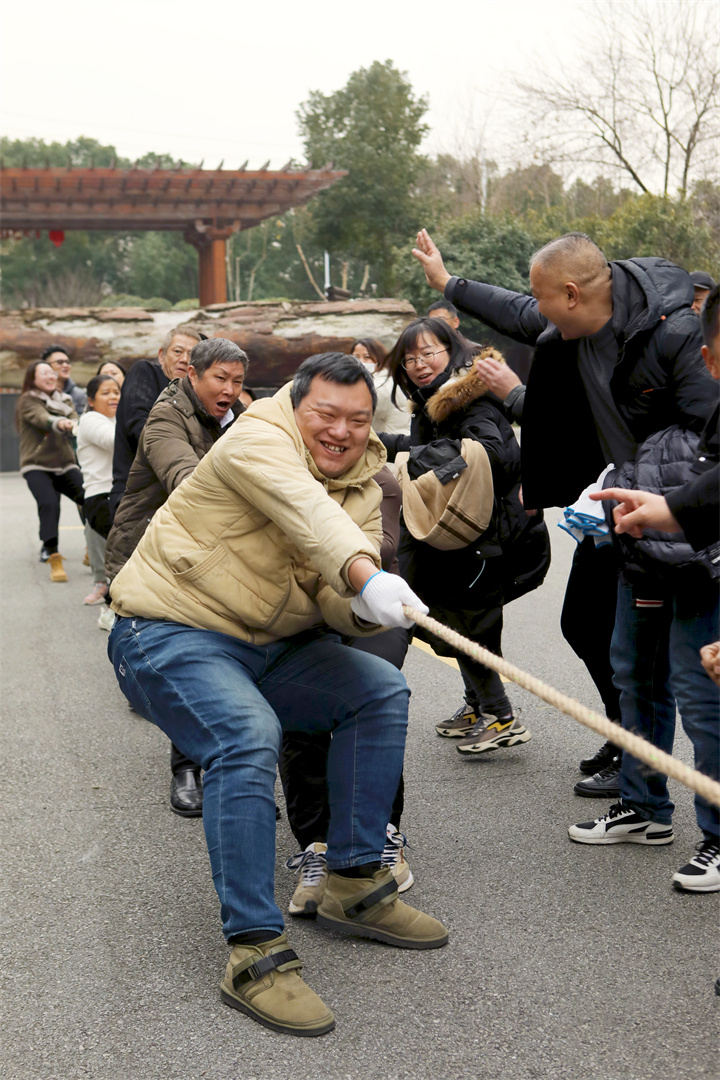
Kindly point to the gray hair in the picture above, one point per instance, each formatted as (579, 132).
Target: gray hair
(218, 350)
(332, 367)
(574, 254)
(186, 330)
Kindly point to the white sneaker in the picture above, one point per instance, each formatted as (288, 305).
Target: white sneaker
(106, 619)
(392, 859)
(702, 873)
(313, 874)
(621, 825)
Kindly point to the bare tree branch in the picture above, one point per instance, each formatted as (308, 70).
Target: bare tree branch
(644, 97)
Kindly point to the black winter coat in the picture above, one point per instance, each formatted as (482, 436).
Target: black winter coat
(659, 378)
(143, 384)
(463, 408)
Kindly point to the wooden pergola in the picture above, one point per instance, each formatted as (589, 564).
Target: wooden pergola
(206, 206)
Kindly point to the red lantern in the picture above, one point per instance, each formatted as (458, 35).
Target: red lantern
(56, 237)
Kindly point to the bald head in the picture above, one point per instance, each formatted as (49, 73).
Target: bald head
(572, 283)
(573, 257)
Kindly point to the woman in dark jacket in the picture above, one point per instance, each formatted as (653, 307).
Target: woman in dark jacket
(464, 588)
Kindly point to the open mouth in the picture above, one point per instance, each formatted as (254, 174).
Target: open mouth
(332, 448)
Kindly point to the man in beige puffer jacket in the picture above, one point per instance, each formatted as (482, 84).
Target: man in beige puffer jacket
(230, 611)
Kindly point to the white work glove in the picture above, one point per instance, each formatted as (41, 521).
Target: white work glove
(381, 599)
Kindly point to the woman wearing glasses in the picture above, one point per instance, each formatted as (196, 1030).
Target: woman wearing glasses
(465, 588)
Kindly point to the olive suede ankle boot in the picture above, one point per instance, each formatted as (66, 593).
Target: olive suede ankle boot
(263, 981)
(369, 907)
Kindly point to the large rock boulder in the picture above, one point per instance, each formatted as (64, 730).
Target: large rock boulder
(277, 335)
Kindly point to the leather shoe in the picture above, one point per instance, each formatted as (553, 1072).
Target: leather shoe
(603, 785)
(186, 793)
(604, 757)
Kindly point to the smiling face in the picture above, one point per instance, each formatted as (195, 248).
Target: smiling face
(175, 360)
(107, 397)
(219, 386)
(60, 363)
(426, 359)
(334, 422)
(45, 378)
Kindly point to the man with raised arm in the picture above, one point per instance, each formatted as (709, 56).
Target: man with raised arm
(230, 615)
(617, 358)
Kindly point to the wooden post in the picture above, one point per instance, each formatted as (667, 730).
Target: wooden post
(212, 276)
(213, 280)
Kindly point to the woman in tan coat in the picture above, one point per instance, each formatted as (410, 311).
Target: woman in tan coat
(45, 419)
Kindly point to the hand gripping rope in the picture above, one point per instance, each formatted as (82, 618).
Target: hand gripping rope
(658, 760)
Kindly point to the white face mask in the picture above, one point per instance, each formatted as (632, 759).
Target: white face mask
(369, 364)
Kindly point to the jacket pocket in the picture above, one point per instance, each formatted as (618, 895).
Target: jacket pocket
(195, 564)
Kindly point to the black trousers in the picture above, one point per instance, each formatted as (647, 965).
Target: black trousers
(46, 489)
(588, 616)
(303, 758)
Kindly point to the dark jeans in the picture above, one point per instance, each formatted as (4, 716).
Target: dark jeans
(46, 488)
(588, 616)
(303, 757)
(655, 653)
(226, 702)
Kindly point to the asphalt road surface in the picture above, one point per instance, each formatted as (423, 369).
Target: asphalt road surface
(565, 961)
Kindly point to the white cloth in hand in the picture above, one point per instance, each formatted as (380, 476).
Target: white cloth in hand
(382, 598)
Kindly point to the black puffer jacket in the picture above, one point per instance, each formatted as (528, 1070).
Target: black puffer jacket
(665, 464)
(659, 378)
(463, 408)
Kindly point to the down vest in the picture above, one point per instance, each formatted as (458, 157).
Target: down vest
(665, 463)
(177, 434)
(256, 543)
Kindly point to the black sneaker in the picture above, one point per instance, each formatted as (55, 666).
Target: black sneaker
(603, 785)
(621, 825)
(461, 723)
(599, 761)
(702, 873)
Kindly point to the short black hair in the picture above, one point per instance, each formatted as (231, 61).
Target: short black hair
(710, 317)
(54, 348)
(96, 382)
(217, 350)
(332, 367)
(442, 305)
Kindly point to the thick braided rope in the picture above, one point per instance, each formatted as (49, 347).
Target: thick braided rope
(658, 760)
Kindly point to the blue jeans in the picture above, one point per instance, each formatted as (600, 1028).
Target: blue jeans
(225, 703)
(655, 657)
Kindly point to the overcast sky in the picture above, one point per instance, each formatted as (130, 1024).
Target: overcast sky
(222, 79)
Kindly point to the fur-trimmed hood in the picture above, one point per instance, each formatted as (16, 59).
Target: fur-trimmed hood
(460, 391)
